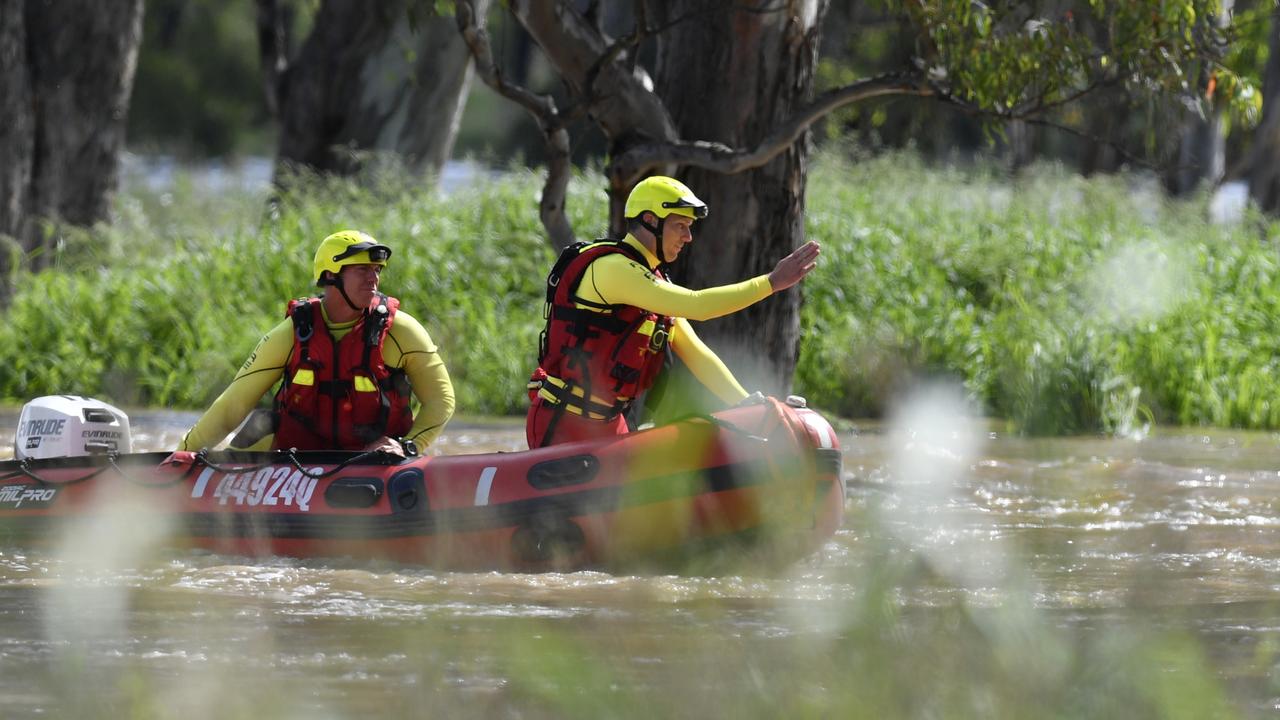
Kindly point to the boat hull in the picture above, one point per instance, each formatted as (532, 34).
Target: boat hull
(758, 484)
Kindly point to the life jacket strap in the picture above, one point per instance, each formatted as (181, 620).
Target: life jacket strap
(558, 392)
(304, 326)
(334, 388)
(375, 324)
(589, 318)
(308, 423)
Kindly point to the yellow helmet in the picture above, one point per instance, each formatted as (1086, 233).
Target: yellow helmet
(347, 247)
(664, 196)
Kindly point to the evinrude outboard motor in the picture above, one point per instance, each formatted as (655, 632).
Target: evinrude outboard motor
(67, 425)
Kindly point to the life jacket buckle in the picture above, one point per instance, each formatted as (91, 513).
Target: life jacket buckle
(658, 340)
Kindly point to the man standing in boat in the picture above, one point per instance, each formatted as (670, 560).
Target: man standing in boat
(611, 313)
(347, 361)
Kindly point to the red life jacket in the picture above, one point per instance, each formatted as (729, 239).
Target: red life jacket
(613, 352)
(340, 396)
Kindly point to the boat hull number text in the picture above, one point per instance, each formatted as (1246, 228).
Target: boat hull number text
(269, 486)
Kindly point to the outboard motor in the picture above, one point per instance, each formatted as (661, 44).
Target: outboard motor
(67, 425)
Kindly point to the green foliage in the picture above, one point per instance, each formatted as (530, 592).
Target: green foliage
(1247, 56)
(1003, 54)
(1062, 304)
(182, 305)
(1017, 58)
(1122, 79)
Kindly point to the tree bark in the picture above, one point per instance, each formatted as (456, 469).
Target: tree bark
(767, 60)
(605, 84)
(1201, 143)
(1097, 153)
(274, 20)
(369, 78)
(1201, 154)
(551, 206)
(67, 75)
(1264, 172)
(17, 133)
(620, 102)
(612, 91)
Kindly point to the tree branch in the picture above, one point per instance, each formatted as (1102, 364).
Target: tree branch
(543, 109)
(619, 102)
(642, 30)
(1034, 114)
(1120, 150)
(628, 167)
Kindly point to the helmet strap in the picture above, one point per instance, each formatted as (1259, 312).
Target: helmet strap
(657, 237)
(350, 304)
(336, 281)
(662, 253)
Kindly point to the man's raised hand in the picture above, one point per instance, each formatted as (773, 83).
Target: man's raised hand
(792, 268)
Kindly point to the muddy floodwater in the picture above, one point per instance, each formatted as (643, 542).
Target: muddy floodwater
(976, 575)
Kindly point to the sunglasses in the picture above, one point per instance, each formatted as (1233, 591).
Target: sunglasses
(699, 211)
(377, 253)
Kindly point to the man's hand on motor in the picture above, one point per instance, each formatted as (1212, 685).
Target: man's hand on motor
(792, 268)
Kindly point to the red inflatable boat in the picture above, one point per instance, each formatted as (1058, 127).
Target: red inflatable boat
(760, 482)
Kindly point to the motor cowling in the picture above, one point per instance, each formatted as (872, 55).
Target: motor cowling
(70, 425)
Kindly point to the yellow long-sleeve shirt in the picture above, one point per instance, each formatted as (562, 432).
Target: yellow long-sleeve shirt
(616, 279)
(407, 346)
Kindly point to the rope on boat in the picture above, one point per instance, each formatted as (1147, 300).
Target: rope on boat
(321, 475)
(203, 458)
(24, 469)
(722, 423)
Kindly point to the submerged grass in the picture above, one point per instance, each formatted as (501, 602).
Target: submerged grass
(1063, 304)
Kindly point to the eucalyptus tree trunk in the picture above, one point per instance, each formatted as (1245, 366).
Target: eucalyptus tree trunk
(1201, 142)
(66, 73)
(1201, 154)
(766, 61)
(371, 78)
(1097, 153)
(1102, 113)
(1264, 174)
(17, 138)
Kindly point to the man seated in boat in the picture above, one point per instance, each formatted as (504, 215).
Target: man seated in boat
(346, 361)
(612, 312)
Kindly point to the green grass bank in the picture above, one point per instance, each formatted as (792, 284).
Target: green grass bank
(1062, 304)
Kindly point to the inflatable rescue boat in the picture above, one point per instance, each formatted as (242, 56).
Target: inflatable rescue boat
(759, 482)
